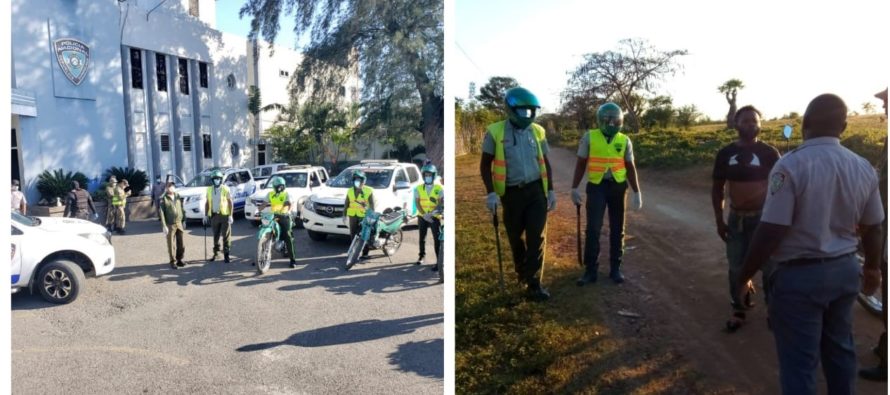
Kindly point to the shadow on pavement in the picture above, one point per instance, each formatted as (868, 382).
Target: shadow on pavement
(413, 357)
(353, 332)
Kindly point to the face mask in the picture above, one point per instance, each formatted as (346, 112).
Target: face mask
(15, 188)
(171, 191)
(357, 183)
(217, 181)
(428, 180)
(279, 188)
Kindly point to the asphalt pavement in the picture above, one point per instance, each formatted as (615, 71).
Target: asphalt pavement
(220, 328)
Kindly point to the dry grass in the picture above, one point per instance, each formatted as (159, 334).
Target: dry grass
(508, 345)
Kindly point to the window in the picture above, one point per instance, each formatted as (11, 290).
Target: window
(245, 176)
(161, 71)
(202, 74)
(400, 177)
(233, 178)
(343, 91)
(187, 143)
(165, 142)
(136, 68)
(283, 73)
(230, 81)
(323, 175)
(261, 158)
(208, 151)
(314, 180)
(184, 76)
(413, 175)
(267, 171)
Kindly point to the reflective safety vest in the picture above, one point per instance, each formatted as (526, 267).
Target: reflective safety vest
(277, 200)
(355, 208)
(116, 196)
(223, 197)
(499, 169)
(425, 202)
(606, 155)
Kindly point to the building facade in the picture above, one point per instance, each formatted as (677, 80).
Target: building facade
(150, 85)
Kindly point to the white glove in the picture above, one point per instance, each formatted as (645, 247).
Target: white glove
(231, 219)
(205, 220)
(166, 231)
(95, 216)
(636, 200)
(345, 220)
(491, 201)
(551, 200)
(576, 197)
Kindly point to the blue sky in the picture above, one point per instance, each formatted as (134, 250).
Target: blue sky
(785, 52)
(227, 20)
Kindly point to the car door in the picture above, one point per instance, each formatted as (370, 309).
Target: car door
(16, 254)
(405, 196)
(235, 189)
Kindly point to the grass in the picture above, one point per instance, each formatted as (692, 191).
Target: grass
(508, 345)
(672, 149)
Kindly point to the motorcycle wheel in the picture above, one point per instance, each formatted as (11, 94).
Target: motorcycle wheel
(264, 254)
(354, 253)
(392, 243)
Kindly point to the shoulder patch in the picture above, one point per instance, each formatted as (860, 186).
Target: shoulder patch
(776, 182)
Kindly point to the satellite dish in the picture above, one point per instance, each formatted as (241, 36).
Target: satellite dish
(787, 132)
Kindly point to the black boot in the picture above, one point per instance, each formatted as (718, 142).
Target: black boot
(615, 273)
(226, 256)
(536, 292)
(589, 276)
(877, 373)
(213, 257)
(293, 264)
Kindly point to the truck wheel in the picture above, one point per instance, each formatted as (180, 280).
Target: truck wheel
(59, 281)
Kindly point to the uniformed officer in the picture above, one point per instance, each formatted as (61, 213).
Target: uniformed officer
(428, 198)
(79, 203)
(281, 205)
(116, 197)
(19, 203)
(359, 199)
(743, 168)
(517, 174)
(172, 216)
(218, 213)
(607, 156)
(879, 372)
(818, 194)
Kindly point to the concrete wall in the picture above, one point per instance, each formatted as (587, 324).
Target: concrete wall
(78, 127)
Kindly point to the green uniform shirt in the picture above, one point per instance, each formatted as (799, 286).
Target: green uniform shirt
(171, 209)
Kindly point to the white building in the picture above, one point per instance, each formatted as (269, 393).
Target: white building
(146, 84)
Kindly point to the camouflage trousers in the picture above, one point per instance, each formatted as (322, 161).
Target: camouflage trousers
(115, 217)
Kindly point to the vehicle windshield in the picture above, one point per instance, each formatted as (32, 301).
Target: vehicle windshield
(291, 180)
(27, 221)
(201, 180)
(377, 178)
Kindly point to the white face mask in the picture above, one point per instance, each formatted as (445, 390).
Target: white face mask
(217, 181)
(357, 183)
(15, 188)
(428, 180)
(171, 191)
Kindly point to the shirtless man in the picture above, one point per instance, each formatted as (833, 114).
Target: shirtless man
(744, 166)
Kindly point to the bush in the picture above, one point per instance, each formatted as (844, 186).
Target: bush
(137, 178)
(57, 184)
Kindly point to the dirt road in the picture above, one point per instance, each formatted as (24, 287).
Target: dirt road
(676, 270)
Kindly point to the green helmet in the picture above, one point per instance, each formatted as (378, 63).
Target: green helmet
(359, 174)
(216, 174)
(276, 182)
(428, 168)
(521, 106)
(609, 117)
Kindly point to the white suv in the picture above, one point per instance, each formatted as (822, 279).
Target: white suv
(393, 185)
(52, 255)
(263, 172)
(194, 194)
(300, 182)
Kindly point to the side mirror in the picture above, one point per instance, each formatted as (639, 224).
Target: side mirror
(230, 184)
(787, 132)
(402, 185)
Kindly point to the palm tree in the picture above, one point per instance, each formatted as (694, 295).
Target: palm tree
(731, 89)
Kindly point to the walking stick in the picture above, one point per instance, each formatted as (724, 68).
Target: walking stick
(497, 238)
(205, 240)
(578, 232)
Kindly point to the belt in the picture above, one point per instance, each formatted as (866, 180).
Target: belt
(813, 261)
(523, 185)
(747, 213)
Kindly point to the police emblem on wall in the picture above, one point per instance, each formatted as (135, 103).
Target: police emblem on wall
(73, 57)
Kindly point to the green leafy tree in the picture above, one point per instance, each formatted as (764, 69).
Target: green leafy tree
(687, 116)
(868, 108)
(634, 67)
(491, 95)
(57, 183)
(730, 89)
(396, 46)
(660, 112)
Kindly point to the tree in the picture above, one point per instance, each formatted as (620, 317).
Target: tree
(731, 90)
(868, 108)
(634, 67)
(687, 116)
(660, 112)
(491, 96)
(396, 46)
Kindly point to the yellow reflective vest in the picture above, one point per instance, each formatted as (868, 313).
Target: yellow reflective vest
(357, 203)
(223, 200)
(606, 155)
(277, 200)
(425, 202)
(499, 168)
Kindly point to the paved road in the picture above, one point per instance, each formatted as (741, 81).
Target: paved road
(219, 328)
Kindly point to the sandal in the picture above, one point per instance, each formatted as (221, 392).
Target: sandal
(736, 322)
